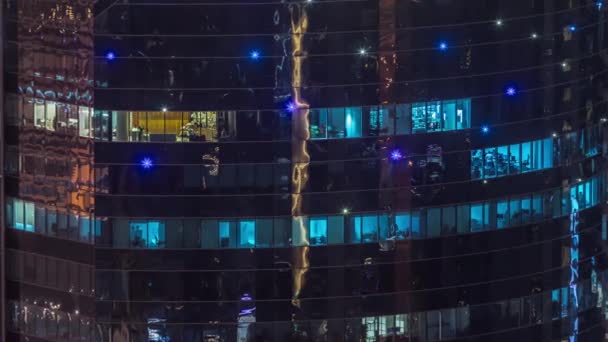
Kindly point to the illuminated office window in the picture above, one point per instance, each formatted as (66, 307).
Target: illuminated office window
(247, 233)
(318, 231)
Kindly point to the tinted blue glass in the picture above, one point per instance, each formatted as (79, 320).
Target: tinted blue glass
(247, 233)
(318, 231)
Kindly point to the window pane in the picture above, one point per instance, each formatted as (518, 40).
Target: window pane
(18, 214)
(138, 232)
(526, 209)
(282, 232)
(353, 122)
(335, 128)
(29, 216)
(84, 121)
(448, 220)
(402, 221)
(514, 159)
(354, 230)
(433, 219)
(502, 160)
(547, 153)
(463, 216)
(335, 233)
(502, 214)
(526, 157)
(318, 123)
(403, 119)
(515, 209)
(156, 234)
(318, 231)
(227, 234)
(477, 164)
(489, 162)
(174, 234)
(369, 231)
(192, 234)
(51, 115)
(209, 235)
(463, 114)
(247, 233)
(84, 229)
(449, 117)
(476, 217)
(433, 112)
(39, 113)
(417, 228)
(263, 232)
(40, 220)
(120, 238)
(419, 117)
(299, 231)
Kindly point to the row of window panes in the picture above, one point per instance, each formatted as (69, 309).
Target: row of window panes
(31, 217)
(332, 123)
(443, 324)
(354, 122)
(328, 230)
(535, 155)
(50, 272)
(49, 323)
(512, 159)
(456, 322)
(50, 115)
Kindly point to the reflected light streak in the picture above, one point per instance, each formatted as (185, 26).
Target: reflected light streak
(301, 134)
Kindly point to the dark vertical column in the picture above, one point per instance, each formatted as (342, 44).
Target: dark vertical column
(2, 220)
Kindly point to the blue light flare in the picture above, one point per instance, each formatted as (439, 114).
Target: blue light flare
(146, 163)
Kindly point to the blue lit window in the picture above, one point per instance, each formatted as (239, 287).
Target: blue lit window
(247, 234)
(138, 234)
(463, 114)
(380, 121)
(501, 161)
(318, 231)
(227, 234)
(335, 127)
(18, 214)
(85, 229)
(515, 210)
(449, 117)
(547, 153)
(502, 214)
(318, 123)
(419, 117)
(476, 217)
(352, 122)
(156, 234)
(369, 228)
(526, 209)
(434, 117)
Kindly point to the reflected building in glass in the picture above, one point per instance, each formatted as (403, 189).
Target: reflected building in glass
(325, 170)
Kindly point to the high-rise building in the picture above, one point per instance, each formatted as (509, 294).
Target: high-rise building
(304, 170)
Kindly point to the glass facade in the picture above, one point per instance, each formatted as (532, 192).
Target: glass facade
(240, 171)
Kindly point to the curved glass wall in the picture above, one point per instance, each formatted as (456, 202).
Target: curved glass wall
(49, 322)
(263, 232)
